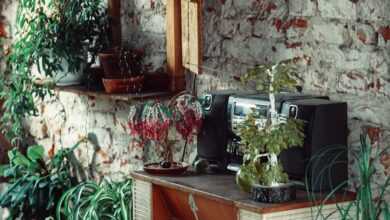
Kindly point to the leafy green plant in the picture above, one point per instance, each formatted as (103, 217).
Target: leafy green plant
(366, 206)
(90, 200)
(36, 186)
(48, 33)
(264, 143)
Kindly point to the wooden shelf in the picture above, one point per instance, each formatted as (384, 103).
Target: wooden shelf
(83, 90)
(223, 189)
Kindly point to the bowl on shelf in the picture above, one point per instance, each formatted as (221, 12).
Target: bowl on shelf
(124, 85)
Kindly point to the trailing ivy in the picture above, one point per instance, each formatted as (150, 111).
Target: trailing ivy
(48, 32)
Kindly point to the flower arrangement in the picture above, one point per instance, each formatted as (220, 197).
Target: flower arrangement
(154, 120)
(187, 116)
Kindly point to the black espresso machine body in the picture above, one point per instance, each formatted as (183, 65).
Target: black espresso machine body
(325, 135)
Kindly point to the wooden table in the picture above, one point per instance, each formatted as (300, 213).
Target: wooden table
(215, 197)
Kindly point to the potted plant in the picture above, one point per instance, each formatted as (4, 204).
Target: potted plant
(371, 202)
(261, 172)
(51, 43)
(91, 200)
(35, 186)
(153, 122)
(123, 70)
(61, 34)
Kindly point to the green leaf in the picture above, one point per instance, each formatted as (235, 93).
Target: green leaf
(35, 152)
(3, 168)
(18, 159)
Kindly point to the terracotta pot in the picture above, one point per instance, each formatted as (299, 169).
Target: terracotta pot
(126, 85)
(110, 63)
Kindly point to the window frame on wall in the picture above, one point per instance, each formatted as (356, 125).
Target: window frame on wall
(180, 56)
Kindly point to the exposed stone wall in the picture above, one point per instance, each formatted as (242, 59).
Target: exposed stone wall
(66, 118)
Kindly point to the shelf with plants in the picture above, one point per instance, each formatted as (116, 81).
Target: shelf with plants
(83, 90)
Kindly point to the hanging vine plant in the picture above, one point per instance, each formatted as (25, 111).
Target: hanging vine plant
(49, 33)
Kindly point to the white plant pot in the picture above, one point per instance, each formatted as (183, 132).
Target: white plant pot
(66, 78)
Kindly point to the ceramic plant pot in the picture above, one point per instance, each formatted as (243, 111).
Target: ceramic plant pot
(67, 78)
(61, 77)
(64, 78)
(273, 194)
(124, 85)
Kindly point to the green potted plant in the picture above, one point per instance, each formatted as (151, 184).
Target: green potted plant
(368, 205)
(35, 186)
(261, 173)
(51, 43)
(91, 200)
(59, 34)
(124, 70)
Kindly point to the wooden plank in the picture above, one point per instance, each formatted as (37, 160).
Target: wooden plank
(82, 90)
(179, 206)
(191, 15)
(222, 188)
(142, 203)
(161, 210)
(174, 46)
(114, 12)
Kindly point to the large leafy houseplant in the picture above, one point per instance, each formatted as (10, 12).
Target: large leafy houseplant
(49, 33)
(90, 200)
(263, 144)
(35, 186)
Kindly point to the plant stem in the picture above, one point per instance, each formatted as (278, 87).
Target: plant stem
(184, 151)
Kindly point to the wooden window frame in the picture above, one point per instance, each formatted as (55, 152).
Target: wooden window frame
(175, 67)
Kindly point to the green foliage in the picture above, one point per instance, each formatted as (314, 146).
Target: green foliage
(92, 201)
(285, 76)
(275, 136)
(266, 175)
(271, 139)
(36, 186)
(49, 32)
(367, 206)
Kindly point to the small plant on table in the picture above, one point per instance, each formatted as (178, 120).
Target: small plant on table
(261, 171)
(153, 121)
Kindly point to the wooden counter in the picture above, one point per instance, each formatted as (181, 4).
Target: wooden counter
(218, 192)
